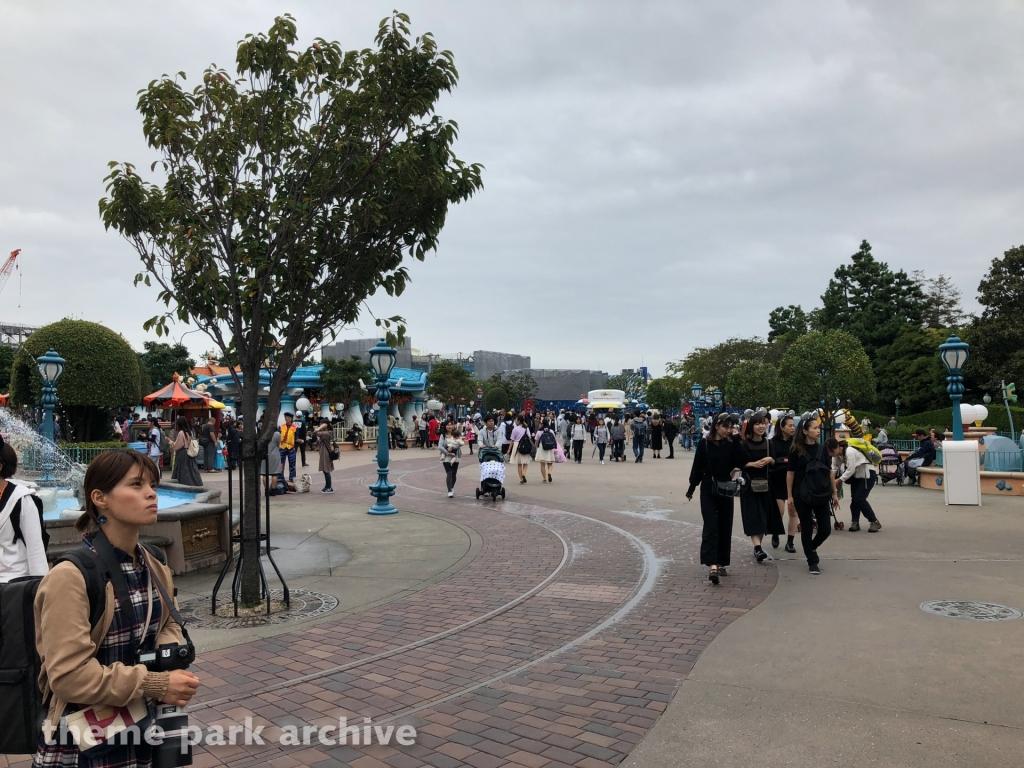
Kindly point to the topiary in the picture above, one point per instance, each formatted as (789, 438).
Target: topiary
(101, 371)
(496, 399)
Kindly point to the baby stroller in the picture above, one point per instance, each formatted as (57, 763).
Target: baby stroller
(891, 467)
(492, 473)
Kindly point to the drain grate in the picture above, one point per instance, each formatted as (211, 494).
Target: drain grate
(971, 610)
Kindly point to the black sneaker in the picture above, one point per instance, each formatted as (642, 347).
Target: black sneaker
(814, 569)
(790, 548)
(713, 575)
(761, 555)
(723, 571)
(775, 542)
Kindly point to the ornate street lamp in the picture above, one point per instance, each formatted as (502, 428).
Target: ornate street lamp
(696, 391)
(897, 407)
(51, 366)
(954, 354)
(382, 358)
(718, 399)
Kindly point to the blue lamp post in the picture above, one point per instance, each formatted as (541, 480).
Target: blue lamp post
(51, 366)
(718, 399)
(954, 354)
(382, 358)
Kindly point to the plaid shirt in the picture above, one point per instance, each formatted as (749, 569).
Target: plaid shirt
(120, 644)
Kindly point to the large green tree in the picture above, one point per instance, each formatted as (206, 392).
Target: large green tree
(161, 361)
(339, 379)
(665, 393)
(870, 301)
(787, 324)
(6, 363)
(710, 366)
(942, 307)
(824, 366)
(291, 191)
(910, 369)
(752, 384)
(520, 386)
(101, 372)
(450, 383)
(997, 335)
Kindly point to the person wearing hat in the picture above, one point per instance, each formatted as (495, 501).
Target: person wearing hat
(718, 461)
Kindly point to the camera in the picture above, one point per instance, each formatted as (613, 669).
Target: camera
(173, 749)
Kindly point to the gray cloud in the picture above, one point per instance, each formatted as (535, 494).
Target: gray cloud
(659, 175)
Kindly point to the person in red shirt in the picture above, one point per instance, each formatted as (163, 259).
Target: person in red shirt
(432, 435)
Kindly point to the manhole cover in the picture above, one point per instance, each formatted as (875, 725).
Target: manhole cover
(305, 605)
(972, 610)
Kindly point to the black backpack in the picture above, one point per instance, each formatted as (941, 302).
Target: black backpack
(817, 483)
(22, 709)
(547, 440)
(525, 444)
(639, 429)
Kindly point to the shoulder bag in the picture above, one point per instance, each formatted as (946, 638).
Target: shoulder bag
(760, 484)
(192, 449)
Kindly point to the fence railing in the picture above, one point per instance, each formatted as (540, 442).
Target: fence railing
(340, 434)
(995, 461)
(32, 456)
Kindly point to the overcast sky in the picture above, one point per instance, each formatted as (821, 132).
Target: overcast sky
(658, 176)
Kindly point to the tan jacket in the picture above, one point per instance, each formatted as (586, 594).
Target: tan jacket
(67, 647)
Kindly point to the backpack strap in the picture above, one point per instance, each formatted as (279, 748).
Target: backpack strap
(16, 521)
(92, 570)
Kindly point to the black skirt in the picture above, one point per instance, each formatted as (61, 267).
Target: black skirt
(760, 515)
(777, 485)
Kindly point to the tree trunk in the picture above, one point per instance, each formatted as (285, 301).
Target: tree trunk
(252, 494)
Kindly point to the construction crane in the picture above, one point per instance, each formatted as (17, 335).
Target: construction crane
(8, 267)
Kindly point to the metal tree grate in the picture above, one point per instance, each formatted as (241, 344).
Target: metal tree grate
(971, 610)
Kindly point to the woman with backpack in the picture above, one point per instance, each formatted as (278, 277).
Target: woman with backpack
(450, 444)
(185, 448)
(521, 443)
(601, 437)
(546, 444)
(811, 488)
(90, 661)
(857, 470)
(328, 451)
(781, 444)
(716, 465)
(23, 538)
(756, 504)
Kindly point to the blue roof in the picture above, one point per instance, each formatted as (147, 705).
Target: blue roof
(308, 377)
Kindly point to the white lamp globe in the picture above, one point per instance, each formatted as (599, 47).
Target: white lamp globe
(303, 404)
(339, 407)
(980, 413)
(434, 405)
(967, 413)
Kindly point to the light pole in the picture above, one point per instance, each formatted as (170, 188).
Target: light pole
(897, 407)
(954, 354)
(51, 366)
(382, 358)
(719, 397)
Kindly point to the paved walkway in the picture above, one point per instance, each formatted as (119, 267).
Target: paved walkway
(563, 626)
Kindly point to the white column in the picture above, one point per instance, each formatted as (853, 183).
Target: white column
(408, 410)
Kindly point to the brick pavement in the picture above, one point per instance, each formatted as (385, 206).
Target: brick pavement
(559, 644)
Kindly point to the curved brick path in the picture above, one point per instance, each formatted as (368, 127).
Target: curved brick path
(559, 644)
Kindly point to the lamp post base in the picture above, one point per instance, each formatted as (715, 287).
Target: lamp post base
(382, 508)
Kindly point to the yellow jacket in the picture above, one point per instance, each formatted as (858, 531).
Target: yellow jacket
(287, 436)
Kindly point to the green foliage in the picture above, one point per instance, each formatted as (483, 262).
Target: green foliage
(161, 361)
(997, 336)
(101, 371)
(942, 308)
(710, 366)
(340, 379)
(787, 324)
(752, 384)
(825, 365)
(518, 385)
(632, 384)
(870, 301)
(496, 399)
(877, 419)
(104, 444)
(6, 364)
(450, 383)
(664, 393)
(910, 369)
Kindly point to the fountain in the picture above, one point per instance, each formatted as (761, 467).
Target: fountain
(34, 451)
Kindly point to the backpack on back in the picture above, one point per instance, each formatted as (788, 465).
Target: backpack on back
(22, 709)
(547, 440)
(871, 453)
(525, 444)
(639, 428)
(817, 483)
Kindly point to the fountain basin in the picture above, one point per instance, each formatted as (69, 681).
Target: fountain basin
(192, 528)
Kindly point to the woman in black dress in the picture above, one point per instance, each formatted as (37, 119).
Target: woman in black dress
(781, 443)
(718, 459)
(656, 426)
(811, 485)
(756, 504)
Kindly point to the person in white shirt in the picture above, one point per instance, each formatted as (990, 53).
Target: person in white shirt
(153, 444)
(22, 535)
(855, 469)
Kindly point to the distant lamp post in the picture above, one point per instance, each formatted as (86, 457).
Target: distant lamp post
(954, 354)
(987, 399)
(717, 394)
(897, 401)
(696, 391)
(382, 358)
(51, 366)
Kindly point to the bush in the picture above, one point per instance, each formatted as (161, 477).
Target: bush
(496, 399)
(943, 417)
(101, 372)
(105, 445)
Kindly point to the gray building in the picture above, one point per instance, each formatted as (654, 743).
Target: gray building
(486, 364)
(342, 350)
(557, 384)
